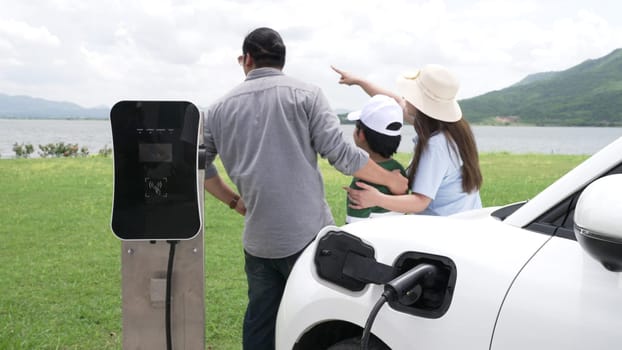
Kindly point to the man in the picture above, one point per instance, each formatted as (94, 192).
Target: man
(268, 132)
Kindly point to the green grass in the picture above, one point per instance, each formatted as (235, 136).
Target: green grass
(60, 263)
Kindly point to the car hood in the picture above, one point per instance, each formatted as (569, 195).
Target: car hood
(483, 213)
(487, 253)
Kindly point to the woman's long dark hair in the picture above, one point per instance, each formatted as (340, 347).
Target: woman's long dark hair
(461, 141)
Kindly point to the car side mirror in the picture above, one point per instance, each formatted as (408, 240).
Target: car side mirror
(598, 221)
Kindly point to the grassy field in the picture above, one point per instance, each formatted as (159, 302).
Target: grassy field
(60, 263)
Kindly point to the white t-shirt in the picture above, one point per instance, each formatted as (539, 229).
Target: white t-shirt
(439, 177)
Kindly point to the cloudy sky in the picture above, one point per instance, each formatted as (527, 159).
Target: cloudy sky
(99, 52)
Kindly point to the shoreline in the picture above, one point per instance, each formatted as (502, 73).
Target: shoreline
(499, 124)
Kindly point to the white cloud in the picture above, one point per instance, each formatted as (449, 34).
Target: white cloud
(97, 52)
(14, 30)
(572, 37)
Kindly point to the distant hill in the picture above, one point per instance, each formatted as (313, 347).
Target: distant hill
(30, 107)
(589, 94)
(536, 77)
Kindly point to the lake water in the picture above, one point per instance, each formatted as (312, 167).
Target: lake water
(95, 134)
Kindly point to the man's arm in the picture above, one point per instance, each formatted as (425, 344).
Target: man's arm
(374, 173)
(325, 131)
(219, 189)
(213, 182)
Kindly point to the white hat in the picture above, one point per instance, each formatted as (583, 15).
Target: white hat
(378, 113)
(432, 90)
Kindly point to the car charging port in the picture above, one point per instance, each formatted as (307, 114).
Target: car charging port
(430, 298)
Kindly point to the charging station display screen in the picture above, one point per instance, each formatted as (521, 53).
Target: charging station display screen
(155, 152)
(155, 147)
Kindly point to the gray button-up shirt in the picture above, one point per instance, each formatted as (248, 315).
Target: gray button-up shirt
(268, 132)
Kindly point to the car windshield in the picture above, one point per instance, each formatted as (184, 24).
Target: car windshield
(557, 220)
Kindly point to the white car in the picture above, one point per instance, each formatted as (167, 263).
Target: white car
(512, 277)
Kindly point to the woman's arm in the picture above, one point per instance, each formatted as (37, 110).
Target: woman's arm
(367, 86)
(369, 196)
(372, 90)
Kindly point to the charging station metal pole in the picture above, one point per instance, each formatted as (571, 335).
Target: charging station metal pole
(157, 211)
(143, 271)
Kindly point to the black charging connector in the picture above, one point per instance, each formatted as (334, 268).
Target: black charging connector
(407, 284)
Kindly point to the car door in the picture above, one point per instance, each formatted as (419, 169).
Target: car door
(562, 298)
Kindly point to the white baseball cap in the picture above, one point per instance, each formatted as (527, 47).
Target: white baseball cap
(379, 113)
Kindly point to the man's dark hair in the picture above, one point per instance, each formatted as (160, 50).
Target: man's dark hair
(382, 144)
(266, 47)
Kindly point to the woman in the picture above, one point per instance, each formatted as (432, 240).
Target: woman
(444, 174)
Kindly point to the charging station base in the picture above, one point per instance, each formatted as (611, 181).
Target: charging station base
(144, 270)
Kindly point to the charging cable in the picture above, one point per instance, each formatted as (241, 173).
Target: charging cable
(403, 285)
(169, 282)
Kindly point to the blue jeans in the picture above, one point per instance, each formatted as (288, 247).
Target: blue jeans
(266, 283)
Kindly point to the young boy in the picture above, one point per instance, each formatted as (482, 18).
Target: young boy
(377, 131)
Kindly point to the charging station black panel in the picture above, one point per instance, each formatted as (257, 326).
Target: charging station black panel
(156, 190)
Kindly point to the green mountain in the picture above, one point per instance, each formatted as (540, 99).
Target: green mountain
(589, 94)
(536, 77)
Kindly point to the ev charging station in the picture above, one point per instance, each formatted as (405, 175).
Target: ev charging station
(157, 212)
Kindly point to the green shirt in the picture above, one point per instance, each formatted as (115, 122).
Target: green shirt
(389, 165)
